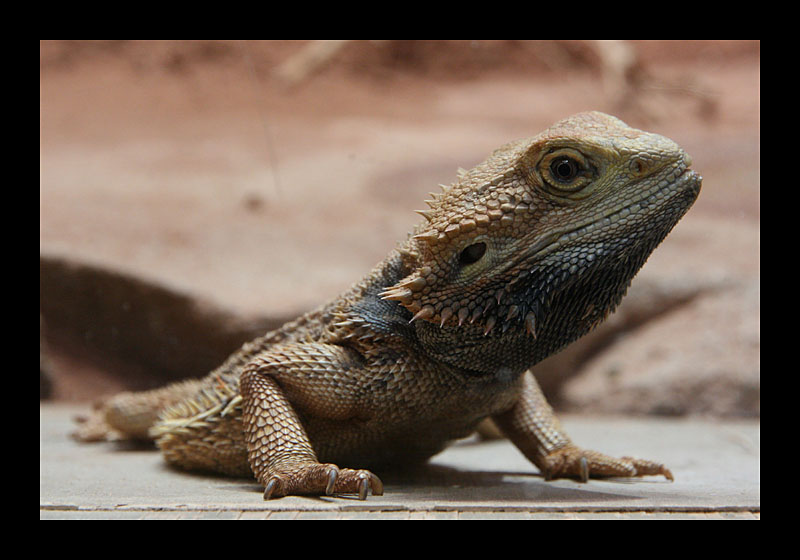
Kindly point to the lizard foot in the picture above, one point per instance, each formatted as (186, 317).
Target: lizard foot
(93, 427)
(317, 479)
(572, 461)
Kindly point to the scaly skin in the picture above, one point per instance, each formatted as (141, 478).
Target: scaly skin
(522, 255)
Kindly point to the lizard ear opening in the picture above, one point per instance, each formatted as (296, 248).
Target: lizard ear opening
(472, 254)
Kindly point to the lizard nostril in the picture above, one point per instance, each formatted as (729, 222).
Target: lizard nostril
(637, 166)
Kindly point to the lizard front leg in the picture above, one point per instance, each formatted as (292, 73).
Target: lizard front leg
(533, 427)
(317, 378)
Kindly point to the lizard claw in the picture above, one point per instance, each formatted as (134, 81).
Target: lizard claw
(377, 485)
(333, 475)
(584, 470)
(270, 488)
(367, 480)
(363, 486)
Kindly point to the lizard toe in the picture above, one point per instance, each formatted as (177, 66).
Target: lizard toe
(573, 462)
(272, 488)
(318, 479)
(301, 479)
(358, 482)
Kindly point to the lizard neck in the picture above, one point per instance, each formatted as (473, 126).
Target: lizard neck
(573, 306)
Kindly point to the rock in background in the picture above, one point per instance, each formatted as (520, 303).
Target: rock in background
(195, 194)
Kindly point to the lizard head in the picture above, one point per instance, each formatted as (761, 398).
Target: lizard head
(568, 216)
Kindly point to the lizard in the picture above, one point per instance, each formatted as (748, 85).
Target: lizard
(520, 256)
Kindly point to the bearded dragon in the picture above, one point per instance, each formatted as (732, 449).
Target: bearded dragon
(520, 256)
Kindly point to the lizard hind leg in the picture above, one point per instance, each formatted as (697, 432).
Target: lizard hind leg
(204, 431)
(130, 415)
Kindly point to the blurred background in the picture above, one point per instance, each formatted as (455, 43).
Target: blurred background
(194, 194)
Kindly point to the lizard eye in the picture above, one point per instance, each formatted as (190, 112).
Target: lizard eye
(472, 253)
(564, 169)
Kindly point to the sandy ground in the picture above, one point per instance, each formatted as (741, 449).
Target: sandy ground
(197, 166)
(716, 466)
